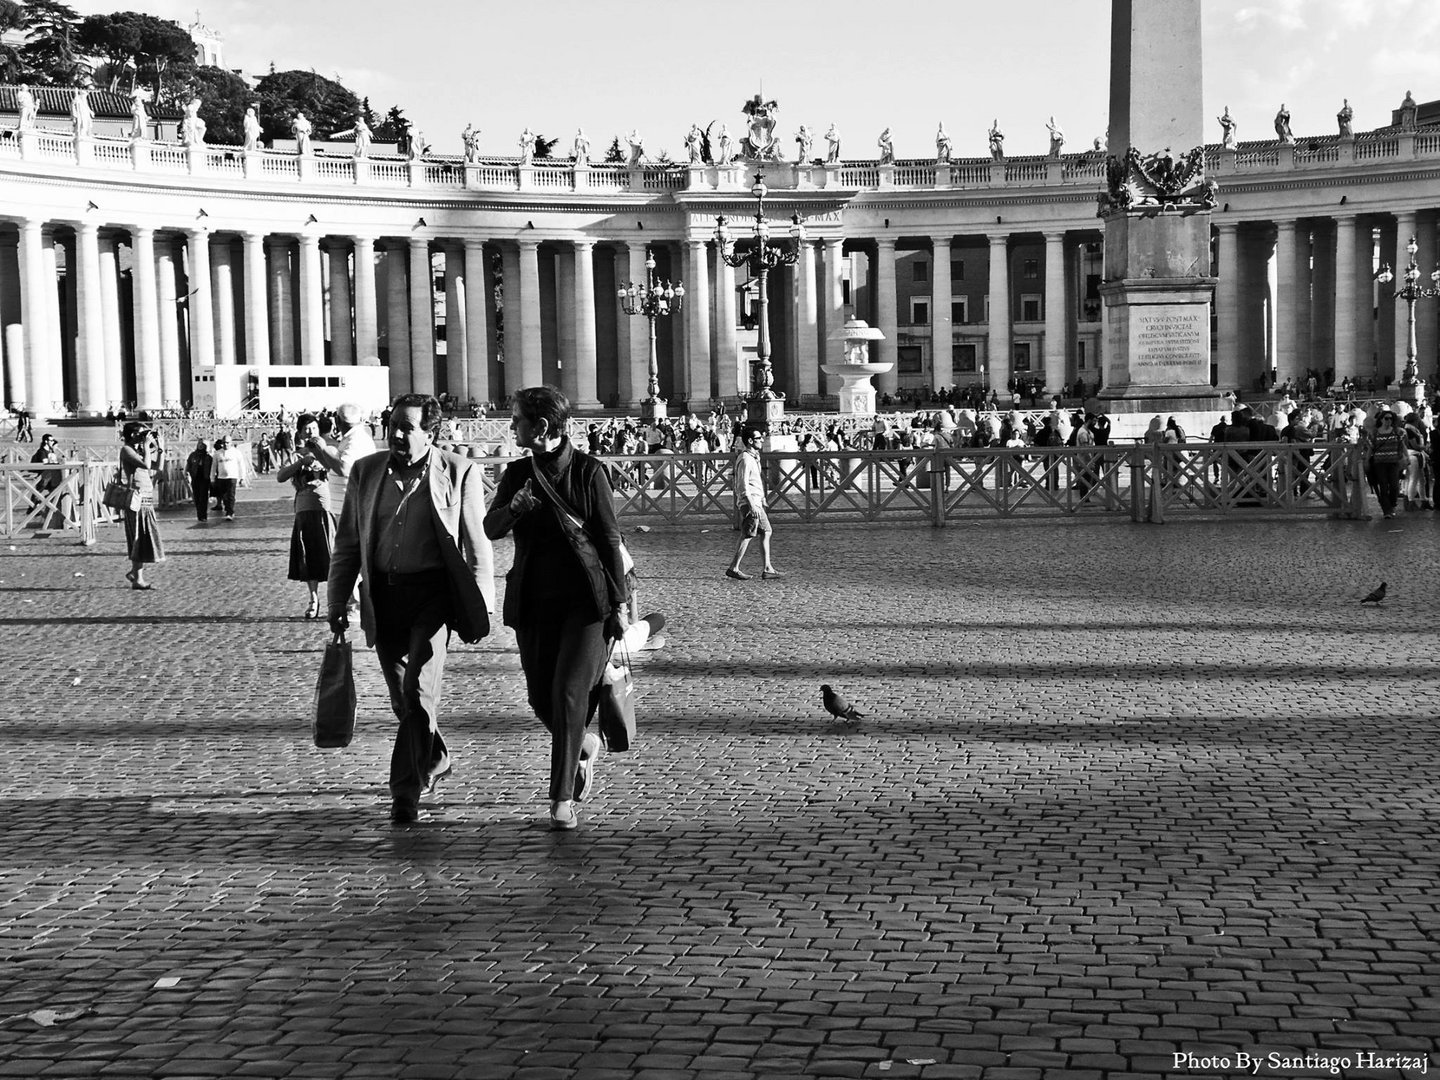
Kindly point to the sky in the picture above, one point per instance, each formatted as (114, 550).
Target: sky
(659, 66)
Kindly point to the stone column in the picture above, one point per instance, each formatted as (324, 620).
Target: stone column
(1347, 343)
(257, 326)
(110, 306)
(1322, 297)
(1227, 308)
(624, 391)
(885, 315)
(835, 306)
(397, 319)
(807, 322)
(639, 332)
(201, 309)
(477, 323)
(727, 379)
(942, 337)
(282, 315)
(565, 320)
(149, 390)
(510, 274)
(312, 303)
(171, 392)
(12, 322)
(696, 312)
(526, 344)
(56, 315)
(1287, 301)
(1055, 329)
(422, 318)
(457, 288)
(587, 393)
(89, 295)
(1405, 228)
(222, 288)
(1426, 311)
(342, 351)
(998, 345)
(367, 325)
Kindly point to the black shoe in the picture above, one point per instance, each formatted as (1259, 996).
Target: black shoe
(438, 771)
(404, 813)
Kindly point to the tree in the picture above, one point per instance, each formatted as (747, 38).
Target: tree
(393, 128)
(615, 155)
(325, 103)
(50, 56)
(223, 96)
(12, 65)
(543, 146)
(158, 52)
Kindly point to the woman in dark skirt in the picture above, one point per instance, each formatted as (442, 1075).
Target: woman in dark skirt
(140, 455)
(312, 538)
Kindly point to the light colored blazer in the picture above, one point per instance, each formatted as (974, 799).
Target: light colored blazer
(457, 495)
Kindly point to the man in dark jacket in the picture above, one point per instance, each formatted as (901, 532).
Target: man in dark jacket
(197, 468)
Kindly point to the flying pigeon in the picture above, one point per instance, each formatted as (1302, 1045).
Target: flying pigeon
(837, 705)
(1376, 596)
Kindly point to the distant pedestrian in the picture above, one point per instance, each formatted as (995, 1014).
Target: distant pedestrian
(141, 454)
(1387, 458)
(312, 537)
(351, 443)
(226, 471)
(750, 504)
(197, 468)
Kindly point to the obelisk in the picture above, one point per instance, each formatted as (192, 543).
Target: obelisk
(1156, 208)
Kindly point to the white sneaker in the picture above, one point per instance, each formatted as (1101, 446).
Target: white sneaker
(563, 815)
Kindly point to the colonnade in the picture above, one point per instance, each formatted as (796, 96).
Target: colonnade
(100, 314)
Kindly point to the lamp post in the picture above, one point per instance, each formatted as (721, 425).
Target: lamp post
(1410, 292)
(653, 300)
(763, 255)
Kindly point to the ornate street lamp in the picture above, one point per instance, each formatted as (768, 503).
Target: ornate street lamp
(759, 258)
(1410, 292)
(653, 300)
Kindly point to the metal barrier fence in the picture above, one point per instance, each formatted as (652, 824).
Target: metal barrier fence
(1143, 483)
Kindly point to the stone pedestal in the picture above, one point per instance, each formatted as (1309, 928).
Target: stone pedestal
(653, 409)
(857, 395)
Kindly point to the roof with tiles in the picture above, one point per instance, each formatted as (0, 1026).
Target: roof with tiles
(105, 104)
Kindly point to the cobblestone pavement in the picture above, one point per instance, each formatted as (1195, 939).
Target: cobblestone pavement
(1123, 792)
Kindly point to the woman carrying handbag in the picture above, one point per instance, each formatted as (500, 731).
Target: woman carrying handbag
(140, 456)
(565, 595)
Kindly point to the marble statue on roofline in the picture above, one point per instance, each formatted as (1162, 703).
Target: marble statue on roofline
(832, 154)
(727, 146)
(138, 119)
(251, 126)
(1282, 125)
(1409, 113)
(693, 138)
(470, 140)
(82, 117)
(1227, 129)
(302, 129)
(887, 148)
(637, 147)
(805, 139)
(192, 128)
(363, 137)
(580, 148)
(760, 141)
(997, 140)
(1057, 138)
(944, 145)
(1346, 119)
(26, 107)
(418, 146)
(527, 147)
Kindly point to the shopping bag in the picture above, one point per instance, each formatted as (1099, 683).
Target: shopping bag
(614, 699)
(334, 719)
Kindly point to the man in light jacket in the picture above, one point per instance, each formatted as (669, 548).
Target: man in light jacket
(412, 530)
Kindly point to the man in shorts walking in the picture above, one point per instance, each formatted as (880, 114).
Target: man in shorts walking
(750, 501)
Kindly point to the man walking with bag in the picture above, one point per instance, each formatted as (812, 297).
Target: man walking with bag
(411, 529)
(750, 502)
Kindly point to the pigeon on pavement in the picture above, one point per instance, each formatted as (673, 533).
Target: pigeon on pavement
(837, 705)
(1376, 596)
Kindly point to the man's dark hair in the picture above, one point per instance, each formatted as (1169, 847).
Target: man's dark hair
(303, 419)
(546, 403)
(752, 429)
(430, 411)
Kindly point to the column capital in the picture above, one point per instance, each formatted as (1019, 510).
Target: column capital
(886, 242)
(1228, 226)
(1055, 235)
(583, 242)
(527, 244)
(998, 239)
(1286, 224)
(942, 241)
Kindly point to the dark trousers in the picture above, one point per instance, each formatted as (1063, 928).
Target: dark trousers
(562, 658)
(224, 493)
(201, 494)
(1387, 485)
(411, 640)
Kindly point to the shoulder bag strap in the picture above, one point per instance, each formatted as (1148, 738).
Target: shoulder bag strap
(570, 522)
